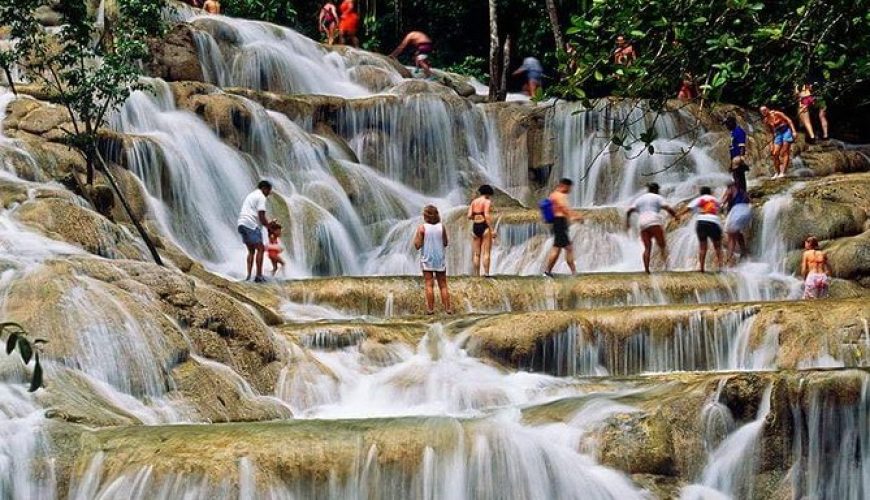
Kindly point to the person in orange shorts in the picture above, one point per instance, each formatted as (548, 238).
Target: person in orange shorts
(349, 24)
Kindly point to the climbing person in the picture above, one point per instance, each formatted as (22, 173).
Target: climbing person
(562, 215)
(349, 24)
(649, 219)
(815, 270)
(482, 229)
(783, 136)
(707, 225)
(252, 219)
(623, 53)
(422, 45)
(688, 88)
(327, 21)
(431, 239)
(737, 151)
(736, 201)
(807, 101)
(274, 248)
(534, 75)
(212, 6)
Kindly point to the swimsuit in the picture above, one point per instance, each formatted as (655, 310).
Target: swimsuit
(274, 249)
(478, 228)
(423, 50)
(329, 18)
(816, 286)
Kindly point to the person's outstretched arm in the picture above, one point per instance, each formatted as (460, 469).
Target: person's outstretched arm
(400, 48)
(444, 234)
(804, 265)
(628, 217)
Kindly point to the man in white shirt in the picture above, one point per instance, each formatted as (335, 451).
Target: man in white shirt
(648, 207)
(252, 218)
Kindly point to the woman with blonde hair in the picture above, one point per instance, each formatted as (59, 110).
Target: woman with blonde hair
(431, 239)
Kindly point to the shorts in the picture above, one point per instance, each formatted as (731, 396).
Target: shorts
(739, 218)
(535, 76)
(816, 286)
(251, 237)
(478, 229)
(647, 220)
(560, 233)
(706, 229)
(783, 135)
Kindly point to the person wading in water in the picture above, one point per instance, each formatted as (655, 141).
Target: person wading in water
(482, 229)
(562, 216)
(431, 239)
(649, 207)
(422, 45)
(252, 219)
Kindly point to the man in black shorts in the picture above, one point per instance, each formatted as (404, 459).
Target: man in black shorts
(707, 225)
(562, 215)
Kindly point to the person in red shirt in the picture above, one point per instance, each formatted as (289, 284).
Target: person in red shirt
(349, 24)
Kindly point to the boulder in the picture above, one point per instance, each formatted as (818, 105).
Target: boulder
(850, 257)
(174, 56)
(67, 220)
(637, 443)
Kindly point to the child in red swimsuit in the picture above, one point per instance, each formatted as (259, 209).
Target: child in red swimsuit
(274, 249)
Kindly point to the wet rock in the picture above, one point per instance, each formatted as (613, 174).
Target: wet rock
(64, 220)
(317, 108)
(174, 56)
(850, 257)
(373, 78)
(637, 444)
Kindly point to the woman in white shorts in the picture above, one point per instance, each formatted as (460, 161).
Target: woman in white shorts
(650, 221)
(739, 218)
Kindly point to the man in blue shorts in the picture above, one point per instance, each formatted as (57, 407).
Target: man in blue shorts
(783, 136)
(252, 218)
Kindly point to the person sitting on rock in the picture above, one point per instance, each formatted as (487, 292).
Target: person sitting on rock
(422, 45)
(815, 270)
(252, 219)
(212, 6)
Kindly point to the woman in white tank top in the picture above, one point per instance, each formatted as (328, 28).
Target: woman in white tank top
(431, 240)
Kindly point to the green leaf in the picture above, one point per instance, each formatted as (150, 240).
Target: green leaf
(598, 76)
(36, 380)
(700, 20)
(637, 34)
(10, 343)
(25, 349)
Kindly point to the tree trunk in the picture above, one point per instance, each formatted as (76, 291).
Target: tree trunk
(554, 24)
(147, 239)
(506, 63)
(494, 73)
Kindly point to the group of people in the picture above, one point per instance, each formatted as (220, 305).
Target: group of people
(342, 22)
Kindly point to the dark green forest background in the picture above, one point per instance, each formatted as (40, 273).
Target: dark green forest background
(747, 52)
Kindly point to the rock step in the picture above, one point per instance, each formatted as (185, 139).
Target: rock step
(652, 427)
(630, 340)
(401, 296)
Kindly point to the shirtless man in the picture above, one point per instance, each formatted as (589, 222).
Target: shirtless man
(212, 6)
(783, 136)
(563, 215)
(623, 53)
(422, 48)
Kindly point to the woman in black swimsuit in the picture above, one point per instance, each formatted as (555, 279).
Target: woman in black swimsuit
(482, 229)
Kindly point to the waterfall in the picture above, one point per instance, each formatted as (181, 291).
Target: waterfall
(731, 466)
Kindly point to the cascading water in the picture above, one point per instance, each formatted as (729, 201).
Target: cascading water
(372, 401)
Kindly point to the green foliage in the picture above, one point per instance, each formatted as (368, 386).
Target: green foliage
(743, 51)
(273, 11)
(90, 68)
(27, 349)
(472, 66)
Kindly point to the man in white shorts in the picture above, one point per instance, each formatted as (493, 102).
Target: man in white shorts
(651, 223)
